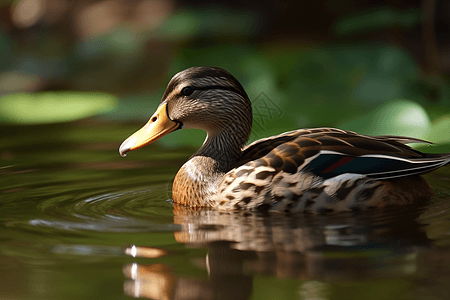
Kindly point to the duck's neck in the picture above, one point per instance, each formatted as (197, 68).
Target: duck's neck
(224, 149)
(198, 179)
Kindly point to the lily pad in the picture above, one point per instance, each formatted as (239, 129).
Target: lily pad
(51, 107)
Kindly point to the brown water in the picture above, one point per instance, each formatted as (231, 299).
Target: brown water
(77, 221)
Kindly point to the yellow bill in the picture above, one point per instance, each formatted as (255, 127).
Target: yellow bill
(159, 125)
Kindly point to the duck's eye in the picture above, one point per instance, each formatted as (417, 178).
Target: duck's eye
(187, 91)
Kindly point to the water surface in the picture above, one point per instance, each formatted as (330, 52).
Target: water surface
(77, 221)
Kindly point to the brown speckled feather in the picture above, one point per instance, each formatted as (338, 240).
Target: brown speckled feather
(270, 176)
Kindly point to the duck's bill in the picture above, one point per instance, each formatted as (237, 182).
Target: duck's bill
(159, 125)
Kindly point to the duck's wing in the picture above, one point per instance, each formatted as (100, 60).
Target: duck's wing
(329, 152)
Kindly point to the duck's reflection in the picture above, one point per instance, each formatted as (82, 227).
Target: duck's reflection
(154, 281)
(243, 245)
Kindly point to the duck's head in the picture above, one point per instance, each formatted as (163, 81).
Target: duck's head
(207, 98)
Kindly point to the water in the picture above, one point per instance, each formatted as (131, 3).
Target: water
(77, 221)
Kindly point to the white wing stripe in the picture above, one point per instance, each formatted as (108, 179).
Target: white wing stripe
(413, 161)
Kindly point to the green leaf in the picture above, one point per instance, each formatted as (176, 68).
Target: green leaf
(399, 117)
(50, 107)
(440, 130)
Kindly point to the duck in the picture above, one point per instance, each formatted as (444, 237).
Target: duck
(318, 170)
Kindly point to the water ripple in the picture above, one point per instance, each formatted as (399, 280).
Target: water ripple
(124, 211)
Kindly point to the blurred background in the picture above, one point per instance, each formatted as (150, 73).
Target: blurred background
(77, 77)
(375, 67)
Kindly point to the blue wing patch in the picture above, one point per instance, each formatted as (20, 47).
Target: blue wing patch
(328, 165)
